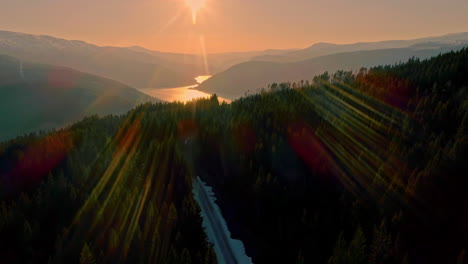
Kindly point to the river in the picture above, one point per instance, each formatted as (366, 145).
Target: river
(181, 94)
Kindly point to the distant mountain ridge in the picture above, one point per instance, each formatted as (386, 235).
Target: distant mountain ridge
(134, 68)
(250, 77)
(216, 62)
(38, 96)
(322, 48)
(144, 68)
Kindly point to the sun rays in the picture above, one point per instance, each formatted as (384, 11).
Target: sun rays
(195, 6)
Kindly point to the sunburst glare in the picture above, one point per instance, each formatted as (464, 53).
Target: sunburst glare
(195, 6)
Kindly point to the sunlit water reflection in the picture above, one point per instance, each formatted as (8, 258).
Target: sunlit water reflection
(181, 94)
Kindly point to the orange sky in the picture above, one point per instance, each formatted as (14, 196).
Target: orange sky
(233, 25)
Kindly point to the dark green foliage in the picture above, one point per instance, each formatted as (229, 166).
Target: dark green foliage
(381, 249)
(354, 252)
(364, 168)
(84, 185)
(86, 256)
(247, 77)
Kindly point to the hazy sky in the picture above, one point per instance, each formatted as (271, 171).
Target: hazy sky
(233, 25)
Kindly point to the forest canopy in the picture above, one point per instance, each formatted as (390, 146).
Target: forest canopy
(365, 167)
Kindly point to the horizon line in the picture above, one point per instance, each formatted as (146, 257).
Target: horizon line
(227, 52)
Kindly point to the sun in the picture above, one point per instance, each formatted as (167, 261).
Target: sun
(195, 6)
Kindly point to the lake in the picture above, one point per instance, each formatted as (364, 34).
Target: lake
(181, 94)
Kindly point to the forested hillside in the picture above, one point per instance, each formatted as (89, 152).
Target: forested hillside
(349, 168)
(37, 96)
(250, 77)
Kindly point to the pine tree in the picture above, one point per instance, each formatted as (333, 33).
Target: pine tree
(185, 257)
(86, 256)
(352, 253)
(339, 252)
(357, 248)
(210, 256)
(381, 248)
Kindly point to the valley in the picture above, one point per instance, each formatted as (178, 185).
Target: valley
(232, 132)
(181, 94)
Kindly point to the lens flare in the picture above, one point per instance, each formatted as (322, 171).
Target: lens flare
(195, 6)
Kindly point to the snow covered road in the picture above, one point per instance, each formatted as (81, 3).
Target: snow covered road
(228, 250)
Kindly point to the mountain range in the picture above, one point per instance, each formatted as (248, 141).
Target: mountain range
(249, 77)
(48, 82)
(322, 48)
(135, 66)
